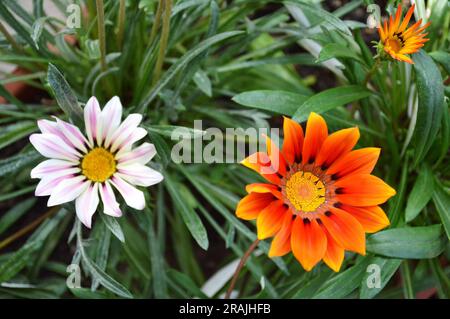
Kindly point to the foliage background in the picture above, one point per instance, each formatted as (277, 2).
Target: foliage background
(231, 64)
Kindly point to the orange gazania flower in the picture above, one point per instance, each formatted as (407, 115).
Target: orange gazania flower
(321, 198)
(398, 40)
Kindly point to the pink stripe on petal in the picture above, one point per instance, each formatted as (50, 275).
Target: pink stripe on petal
(49, 166)
(73, 134)
(86, 204)
(92, 118)
(111, 116)
(46, 186)
(52, 146)
(133, 197)
(110, 205)
(47, 126)
(135, 136)
(68, 190)
(141, 175)
(142, 155)
(124, 131)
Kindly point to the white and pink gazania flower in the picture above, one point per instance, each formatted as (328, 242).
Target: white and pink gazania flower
(85, 169)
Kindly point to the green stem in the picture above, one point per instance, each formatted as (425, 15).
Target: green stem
(407, 282)
(121, 24)
(155, 26)
(163, 41)
(101, 33)
(371, 71)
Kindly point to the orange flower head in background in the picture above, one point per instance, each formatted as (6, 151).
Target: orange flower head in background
(320, 198)
(398, 40)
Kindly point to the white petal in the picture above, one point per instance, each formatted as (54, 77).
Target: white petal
(124, 131)
(47, 126)
(53, 146)
(68, 190)
(46, 185)
(73, 134)
(111, 116)
(86, 204)
(139, 174)
(92, 119)
(135, 136)
(141, 154)
(133, 197)
(110, 205)
(49, 166)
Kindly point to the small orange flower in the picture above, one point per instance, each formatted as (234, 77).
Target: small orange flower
(321, 198)
(398, 40)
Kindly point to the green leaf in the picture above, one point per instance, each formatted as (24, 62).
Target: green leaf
(97, 273)
(190, 217)
(112, 224)
(14, 132)
(335, 50)
(64, 95)
(12, 215)
(408, 242)
(344, 283)
(18, 162)
(37, 28)
(167, 130)
(321, 14)
(281, 102)
(107, 281)
(420, 194)
(14, 264)
(329, 99)
(93, 49)
(441, 200)
(430, 90)
(442, 58)
(203, 82)
(182, 62)
(387, 268)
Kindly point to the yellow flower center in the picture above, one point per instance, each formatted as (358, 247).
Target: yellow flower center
(395, 44)
(98, 165)
(305, 191)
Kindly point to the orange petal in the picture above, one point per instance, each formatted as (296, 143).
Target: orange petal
(270, 219)
(334, 256)
(281, 243)
(264, 188)
(260, 163)
(360, 161)
(251, 205)
(345, 229)
(406, 19)
(372, 218)
(316, 133)
(336, 145)
(293, 140)
(308, 242)
(398, 15)
(362, 190)
(276, 158)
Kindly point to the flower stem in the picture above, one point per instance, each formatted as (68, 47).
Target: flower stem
(239, 267)
(371, 71)
(121, 23)
(101, 33)
(157, 20)
(407, 283)
(163, 40)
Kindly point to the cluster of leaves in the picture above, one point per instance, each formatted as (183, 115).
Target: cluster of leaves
(224, 62)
